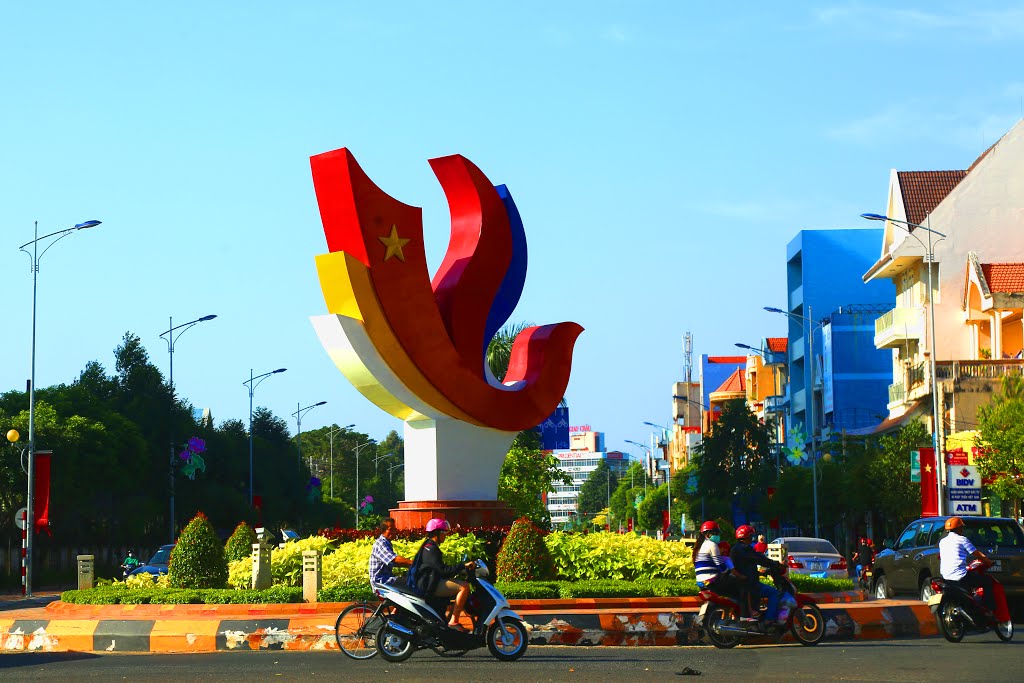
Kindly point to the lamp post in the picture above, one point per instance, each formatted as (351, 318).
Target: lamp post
(668, 472)
(333, 432)
(169, 337)
(931, 315)
(35, 257)
(391, 471)
(776, 389)
(358, 447)
(647, 451)
(298, 422)
(811, 411)
(251, 384)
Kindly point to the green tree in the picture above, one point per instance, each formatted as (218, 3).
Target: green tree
(596, 490)
(526, 475)
(197, 560)
(896, 497)
(239, 545)
(649, 511)
(1001, 435)
(734, 460)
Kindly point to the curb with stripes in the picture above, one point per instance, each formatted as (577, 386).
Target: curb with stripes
(315, 631)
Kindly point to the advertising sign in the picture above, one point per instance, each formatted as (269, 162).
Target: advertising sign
(915, 467)
(827, 401)
(554, 431)
(964, 487)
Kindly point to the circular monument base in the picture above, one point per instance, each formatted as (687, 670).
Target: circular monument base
(414, 514)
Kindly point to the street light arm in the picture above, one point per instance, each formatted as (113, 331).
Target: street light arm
(880, 217)
(690, 400)
(63, 233)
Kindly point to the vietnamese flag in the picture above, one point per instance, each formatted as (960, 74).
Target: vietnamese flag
(929, 472)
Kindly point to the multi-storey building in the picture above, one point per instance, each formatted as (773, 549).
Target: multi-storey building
(823, 277)
(587, 454)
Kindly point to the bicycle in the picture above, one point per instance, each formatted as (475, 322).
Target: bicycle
(357, 626)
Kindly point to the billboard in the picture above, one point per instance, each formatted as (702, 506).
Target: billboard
(554, 431)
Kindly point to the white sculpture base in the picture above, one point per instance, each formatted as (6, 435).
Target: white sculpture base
(448, 459)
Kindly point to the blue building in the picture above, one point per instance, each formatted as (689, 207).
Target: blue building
(826, 293)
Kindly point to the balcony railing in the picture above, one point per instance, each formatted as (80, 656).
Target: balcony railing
(898, 326)
(916, 375)
(774, 404)
(978, 369)
(896, 393)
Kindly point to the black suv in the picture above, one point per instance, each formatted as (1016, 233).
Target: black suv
(914, 558)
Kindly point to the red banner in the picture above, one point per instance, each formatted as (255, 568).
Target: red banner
(929, 494)
(629, 526)
(42, 492)
(664, 522)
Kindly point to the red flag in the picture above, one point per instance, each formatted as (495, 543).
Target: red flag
(41, 483)
(629, 526)
(664, 522)
(929, 495)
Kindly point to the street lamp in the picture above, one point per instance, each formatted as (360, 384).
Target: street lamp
(35, 257)
(931, 314)
(668, 474)
(333, 432)
(359, 446)
(811, 411)
(298, 422)
(391, 472)
(169, 337)
(254, 381)
(648, 455)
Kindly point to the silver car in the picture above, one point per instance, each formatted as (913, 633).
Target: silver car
(813, 557)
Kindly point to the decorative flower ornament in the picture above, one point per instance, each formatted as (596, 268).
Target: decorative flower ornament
(797, 454)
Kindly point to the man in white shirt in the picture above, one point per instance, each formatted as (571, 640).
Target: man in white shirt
(955, 550)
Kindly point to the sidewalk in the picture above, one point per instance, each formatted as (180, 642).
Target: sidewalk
(61, 627)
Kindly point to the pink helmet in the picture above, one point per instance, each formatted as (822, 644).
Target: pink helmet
(437, 523)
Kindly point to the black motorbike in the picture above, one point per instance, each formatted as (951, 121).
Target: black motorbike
(959, 609)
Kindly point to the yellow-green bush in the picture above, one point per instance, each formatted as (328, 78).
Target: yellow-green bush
(146, 580)
(607, 555)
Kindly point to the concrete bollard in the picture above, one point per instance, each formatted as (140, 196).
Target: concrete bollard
(261, 576)
(86, 571)
(312, 575)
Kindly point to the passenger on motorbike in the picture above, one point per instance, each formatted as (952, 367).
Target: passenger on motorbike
(864, 555)
(746, 561)
(955, 550)
(430, 576)
(708, 562)
(383, 556)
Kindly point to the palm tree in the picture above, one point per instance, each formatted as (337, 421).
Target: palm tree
(499, 351)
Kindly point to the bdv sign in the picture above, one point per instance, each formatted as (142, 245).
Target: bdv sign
(964, 489)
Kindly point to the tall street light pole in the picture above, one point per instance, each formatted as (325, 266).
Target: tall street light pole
(169, 337)
(668, 472)
(931, 314)
(359, 446)
(35, 257)
(811, 410)
(298, 422)
(251, 384)
(647, 451)
(333, 432)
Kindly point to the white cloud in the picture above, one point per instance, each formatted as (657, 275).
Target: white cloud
(959, 22)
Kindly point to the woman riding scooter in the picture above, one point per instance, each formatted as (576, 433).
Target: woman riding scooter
(430, 576)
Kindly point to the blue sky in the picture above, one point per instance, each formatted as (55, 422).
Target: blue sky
(661, 155)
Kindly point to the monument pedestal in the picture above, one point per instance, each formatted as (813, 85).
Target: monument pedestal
(414, 514)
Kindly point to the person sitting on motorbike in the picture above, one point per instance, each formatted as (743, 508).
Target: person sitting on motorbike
(130, 563)
(955, 550)
(746, 561)
(708, 562)
(383, 556)
(433, 577)
(864, 555)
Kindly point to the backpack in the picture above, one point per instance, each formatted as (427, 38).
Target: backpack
(414, 570)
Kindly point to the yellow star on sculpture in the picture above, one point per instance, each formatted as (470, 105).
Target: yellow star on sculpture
(394, 245)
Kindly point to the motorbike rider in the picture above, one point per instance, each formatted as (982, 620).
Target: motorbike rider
(955, 550)
(430, 576)
(383, 556)
(746, 561)
(130, 563)
(708, 562)
(864, 556)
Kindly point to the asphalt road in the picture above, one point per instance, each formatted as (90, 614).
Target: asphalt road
(977, 658)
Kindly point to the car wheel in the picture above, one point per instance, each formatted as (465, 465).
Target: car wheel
(882, 590)
(926, 589)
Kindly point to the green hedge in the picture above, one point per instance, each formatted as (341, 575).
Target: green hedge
(810, 584)
(107, 595)
(529, 590)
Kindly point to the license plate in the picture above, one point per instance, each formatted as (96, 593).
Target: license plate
(817, 566)
(997, 566)
(935, 599)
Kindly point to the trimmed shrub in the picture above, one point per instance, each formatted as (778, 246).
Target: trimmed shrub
(352, 592)
(529, 590)
(239, 545)
(811, 584)
(197, 560)
(523, 556)
(629, 557)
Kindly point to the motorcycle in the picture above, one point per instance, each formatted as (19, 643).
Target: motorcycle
(130, 564)
(864, 581)
(959, 609)
(413, 622)
(719, 619)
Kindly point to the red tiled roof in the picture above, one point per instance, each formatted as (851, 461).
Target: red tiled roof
(923, 190)
(777, 344)
(1004, 277)
(727, 359)
(737, 382)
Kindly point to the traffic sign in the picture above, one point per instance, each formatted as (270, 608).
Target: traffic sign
(19, 517)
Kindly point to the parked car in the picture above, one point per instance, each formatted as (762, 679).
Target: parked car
(908, 566)
(158, 563)
(813, 557)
